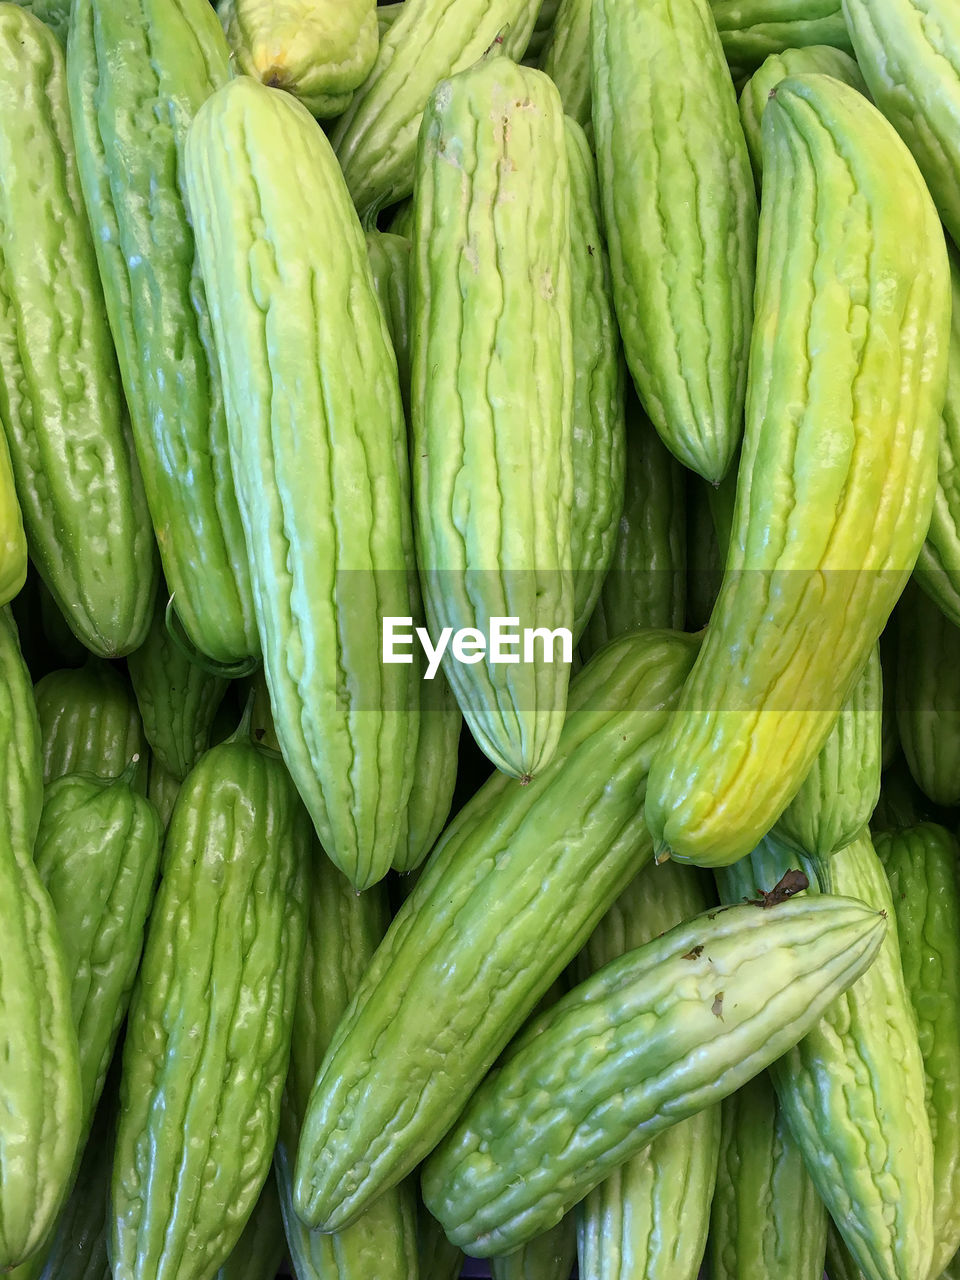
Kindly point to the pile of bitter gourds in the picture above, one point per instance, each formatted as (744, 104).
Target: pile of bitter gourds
(635, 322)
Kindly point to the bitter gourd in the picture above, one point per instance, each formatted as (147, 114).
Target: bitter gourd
(653, 1037)
(439, 1259)
(376, 137)
(492, 443)
(756, 92)
(162, 788)
(646, 583)
(343, 931)
(136, 74)
(292, 302)
(566, 59)
(261, 1249)
(599, 425)
(89, 723)
(860, 1122)
(54, 13)
(836, 479)
(767, 1218)
(650, 1216)
(923, 867)
(841, 791)
(177, 698)
(79, 1247)
(208, 1033)
(390, 262)
(61, 404)
(751, 30)
(680, 212)
(542, 27)
(938, 564)
(480, 939)
(318, 50)
(909, 53)
(40, 1092)
(13, 540)
(928, 696)
(548, 1256)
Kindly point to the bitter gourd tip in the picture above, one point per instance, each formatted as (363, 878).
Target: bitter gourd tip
(225, 670)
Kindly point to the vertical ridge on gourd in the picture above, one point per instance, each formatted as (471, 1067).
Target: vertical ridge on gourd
(756, 92)
(40, 1089)
(651, 1038)
(922, 865)
(208, 1032)
(343, 932)
(838, 795)
(767, 1218)
(681, 219)
(262, 1248)
(376, 137)
(54, 14)
(566, 59)
(853, 1090)
(650, 1216)
(390, 262)
(909, 53)
(598, 414)
(443, 994)
(135, 76)
(317, 50)
(646, 583)
(177, 698)
(751, 30)
(928, 696)
(439, 1259)
(61, 404)
(491, 414)
(938, 564)
(548, 1256)
(837, 473)
(89, 723)
(313, 411)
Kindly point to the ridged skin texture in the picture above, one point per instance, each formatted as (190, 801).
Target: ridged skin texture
(909, 53)
(54, 13)
(208, 1033)
(434, 770)
(840, 1265)
(928, 696)
(923, 867)
(652, 1038)
(680, 212)
(261, 1249)
(177, 698)
(599, 424)
(646, 584)
(566, 60)
(343, 932)
(838, 469)
(751, 30)
(162, 789)
(318, 50)
(313, 408)
(542, 27)
(841, 791)
(853, 1091)
(768, 1221)
(536, 866)
(13, 540)
(390, 263)
(376, 137)
(756, 92)
(649, 1218)
(79, 1247)
(40, 1095)
(89, 723)
(439, 1259)
(97, 851)
(548, 1256)
(387, 14)
(61, 405)
(491, 411)
(938, 565)
(136, 73)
